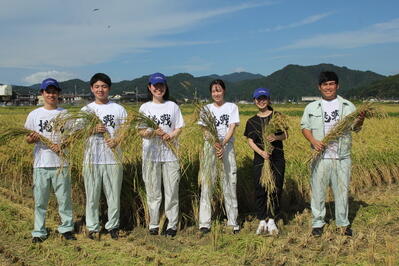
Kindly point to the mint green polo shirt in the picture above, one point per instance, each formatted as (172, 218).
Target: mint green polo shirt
(313, 120)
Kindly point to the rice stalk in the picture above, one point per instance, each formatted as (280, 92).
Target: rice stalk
(209, 158)
(277, 124)
(345, 125)
(76, 129)
(141, 120)
(9, 134)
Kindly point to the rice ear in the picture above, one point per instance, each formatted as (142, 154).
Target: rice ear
(8, 134)
(345, 125)
(278, 123)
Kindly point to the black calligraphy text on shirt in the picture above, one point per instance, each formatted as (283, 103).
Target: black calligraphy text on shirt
(164, 119)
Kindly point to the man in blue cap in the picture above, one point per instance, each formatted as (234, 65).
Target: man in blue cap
(48, 169)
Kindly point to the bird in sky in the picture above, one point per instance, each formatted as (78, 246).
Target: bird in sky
(96, 9)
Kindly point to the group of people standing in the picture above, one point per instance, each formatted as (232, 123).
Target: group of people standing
(160, 165)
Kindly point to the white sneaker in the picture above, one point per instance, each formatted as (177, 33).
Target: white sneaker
(271, 227)
(262, 227)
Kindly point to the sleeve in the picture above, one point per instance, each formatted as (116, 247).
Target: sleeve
(204, 108)
(143, 111)
(235, 116)
(123, 115)
(250, 130)
(179, 117)
(29, 123)
(305, 121)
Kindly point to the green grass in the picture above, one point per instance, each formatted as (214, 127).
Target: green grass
(375, 215)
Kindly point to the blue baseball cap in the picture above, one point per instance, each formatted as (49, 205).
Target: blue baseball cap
(49, 82)
(157, 78)
(261, 92)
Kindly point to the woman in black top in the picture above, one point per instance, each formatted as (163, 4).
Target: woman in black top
(253, 132)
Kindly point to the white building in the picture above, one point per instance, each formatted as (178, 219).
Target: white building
(5, 90)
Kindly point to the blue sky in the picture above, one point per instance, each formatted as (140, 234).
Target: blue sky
(129, 38)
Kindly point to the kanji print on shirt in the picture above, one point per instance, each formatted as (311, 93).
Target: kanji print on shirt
(331, 117)
(45, 125)
(164, 119)
(109, 121)
(223, 120)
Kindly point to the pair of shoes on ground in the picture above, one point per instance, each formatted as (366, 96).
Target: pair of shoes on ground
(345, 231)
(269, 227)
(93, 235)
(113, 232)
(38, 239)
(206, 230)
(67, 236)
(170, 232)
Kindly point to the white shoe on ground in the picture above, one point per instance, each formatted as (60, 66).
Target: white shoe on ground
(271, 227)
(262, 228)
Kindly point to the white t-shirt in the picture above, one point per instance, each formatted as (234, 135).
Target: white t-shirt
(225, 115)
(168, 117)
(331, 117)
(112, 115)
(40, 121)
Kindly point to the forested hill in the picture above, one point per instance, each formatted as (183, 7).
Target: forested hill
(384, 89)
(291, 82)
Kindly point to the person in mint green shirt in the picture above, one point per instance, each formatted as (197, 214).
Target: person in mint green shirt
(335, 164)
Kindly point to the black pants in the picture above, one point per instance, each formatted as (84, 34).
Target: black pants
(262, 210)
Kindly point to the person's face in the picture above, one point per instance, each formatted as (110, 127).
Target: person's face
(100, 90)
(328, 90)
(157, 90)
(217, 93)
(50, 96)
(262, 102)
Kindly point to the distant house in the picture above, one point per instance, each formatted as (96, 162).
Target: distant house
(310, 98)
(5, 93)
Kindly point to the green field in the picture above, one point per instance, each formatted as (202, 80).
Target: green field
(374, 206)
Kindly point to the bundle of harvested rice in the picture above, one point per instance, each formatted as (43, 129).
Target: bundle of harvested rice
(277, 124)
(141, 120)
(209, 158)
(345, 125)
(8, 134)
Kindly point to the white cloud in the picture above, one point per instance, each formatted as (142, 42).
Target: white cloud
(40, 76)
(305, 21)
(387, 32)
(194, 64)
(334, 56)
(36, 35)
(239, 69)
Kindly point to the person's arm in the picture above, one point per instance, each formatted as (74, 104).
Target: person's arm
(174, 134)
(317, 144)
(259, 151)
(274, 137)
(229, 134)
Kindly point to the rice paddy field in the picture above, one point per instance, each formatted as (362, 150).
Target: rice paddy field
(374, 205)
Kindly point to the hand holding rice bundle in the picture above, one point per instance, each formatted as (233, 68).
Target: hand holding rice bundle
(353, 121)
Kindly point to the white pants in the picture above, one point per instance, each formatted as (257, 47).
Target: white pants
(153, 174)
(108, 176)
(229, 182)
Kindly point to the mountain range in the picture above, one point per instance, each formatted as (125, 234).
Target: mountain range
(290, 82)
